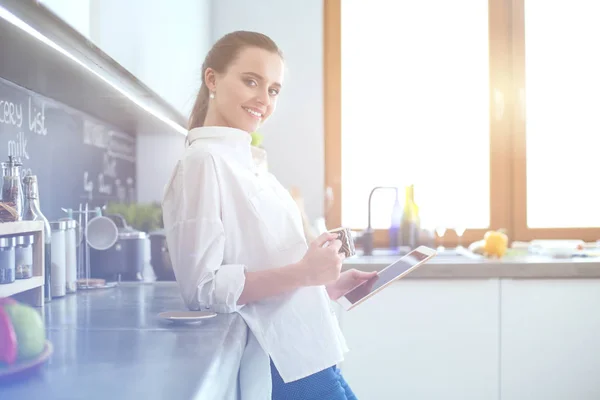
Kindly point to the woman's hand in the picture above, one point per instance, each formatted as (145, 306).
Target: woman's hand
(322, 262)
(348, 280)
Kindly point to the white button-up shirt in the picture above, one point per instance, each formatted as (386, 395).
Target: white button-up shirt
(225, 215)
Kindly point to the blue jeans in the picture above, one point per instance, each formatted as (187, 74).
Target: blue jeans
(328, 384)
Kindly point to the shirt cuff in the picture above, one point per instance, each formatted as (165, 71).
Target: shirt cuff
(229, 285)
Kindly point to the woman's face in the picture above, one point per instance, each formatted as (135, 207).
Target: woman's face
(246, 94)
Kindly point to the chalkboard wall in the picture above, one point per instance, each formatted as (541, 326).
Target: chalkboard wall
(77, 158)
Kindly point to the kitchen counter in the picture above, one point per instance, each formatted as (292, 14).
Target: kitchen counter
(111, 344)
(463, 265)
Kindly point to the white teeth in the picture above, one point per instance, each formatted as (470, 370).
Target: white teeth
(256, 114)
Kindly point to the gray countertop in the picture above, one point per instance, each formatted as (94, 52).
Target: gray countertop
(462, 265)
(110, 344)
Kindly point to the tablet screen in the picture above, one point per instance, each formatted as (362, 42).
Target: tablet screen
(386, 275)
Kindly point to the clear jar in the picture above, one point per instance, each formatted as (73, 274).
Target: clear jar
(24, 257)
(12, 190)
(7, 260)
(58, 258)
(71, 254)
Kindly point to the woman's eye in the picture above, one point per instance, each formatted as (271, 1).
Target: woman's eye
(273, 92)
(251, 82)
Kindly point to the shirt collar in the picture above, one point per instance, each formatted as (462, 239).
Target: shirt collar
(253, 157)
(220, 133)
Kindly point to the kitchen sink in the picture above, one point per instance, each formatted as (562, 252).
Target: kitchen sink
(442, 253)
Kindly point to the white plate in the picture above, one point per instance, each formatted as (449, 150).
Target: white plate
(187, 316)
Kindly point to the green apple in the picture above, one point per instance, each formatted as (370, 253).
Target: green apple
(29, 329)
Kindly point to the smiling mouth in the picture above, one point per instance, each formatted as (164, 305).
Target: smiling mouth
(255, 114)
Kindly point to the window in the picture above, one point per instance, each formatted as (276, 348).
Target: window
(484, 105)
(415, 109)
(562, 83)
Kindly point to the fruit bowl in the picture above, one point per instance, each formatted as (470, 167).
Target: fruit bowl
(20, 369)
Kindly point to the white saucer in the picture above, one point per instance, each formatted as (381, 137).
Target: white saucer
(187, 316)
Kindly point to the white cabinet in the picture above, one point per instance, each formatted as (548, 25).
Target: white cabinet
(550, 339)
(424, 340)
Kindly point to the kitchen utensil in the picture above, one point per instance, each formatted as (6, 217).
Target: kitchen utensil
(101, 233)
(125, 258)
(159, 256)
(83, 251)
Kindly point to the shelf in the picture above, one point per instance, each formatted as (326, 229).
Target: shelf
(20, 227)
(21, 285)
(30, 290)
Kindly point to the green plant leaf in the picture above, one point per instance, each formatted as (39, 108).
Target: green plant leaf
(144, 217)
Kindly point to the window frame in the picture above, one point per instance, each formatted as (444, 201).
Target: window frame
(522, 231)
(508, 165)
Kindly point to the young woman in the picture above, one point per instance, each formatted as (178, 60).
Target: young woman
(235, 235)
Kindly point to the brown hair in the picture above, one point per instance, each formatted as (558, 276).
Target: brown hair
(220, 56)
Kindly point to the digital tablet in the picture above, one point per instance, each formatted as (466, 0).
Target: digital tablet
(386, 276)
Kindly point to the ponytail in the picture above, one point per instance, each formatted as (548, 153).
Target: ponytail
(199, 111)
(200, 108)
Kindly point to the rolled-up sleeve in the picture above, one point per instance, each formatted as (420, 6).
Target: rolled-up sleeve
(196, 238)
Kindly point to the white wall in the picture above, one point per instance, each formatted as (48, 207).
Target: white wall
(294, 134)
(112, 30)
(156, 157)
(161, 42)
(74, 12)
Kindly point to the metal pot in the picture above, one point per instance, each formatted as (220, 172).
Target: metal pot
(159, 256)
(124, 258)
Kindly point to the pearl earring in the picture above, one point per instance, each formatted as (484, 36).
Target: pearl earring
(212, 95)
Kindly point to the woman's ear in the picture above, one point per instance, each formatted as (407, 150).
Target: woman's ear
(210, 78)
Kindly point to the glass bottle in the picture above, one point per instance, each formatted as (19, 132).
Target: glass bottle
(395, 224)
(32, 212)
(409, 226)
(12, 191)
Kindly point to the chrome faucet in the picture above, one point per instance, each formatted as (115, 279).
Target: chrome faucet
(366, 239)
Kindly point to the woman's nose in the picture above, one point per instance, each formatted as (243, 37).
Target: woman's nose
(263, 97)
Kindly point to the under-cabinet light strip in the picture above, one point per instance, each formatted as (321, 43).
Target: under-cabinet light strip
(8, 16)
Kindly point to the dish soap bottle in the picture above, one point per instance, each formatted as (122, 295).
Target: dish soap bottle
(395, 224)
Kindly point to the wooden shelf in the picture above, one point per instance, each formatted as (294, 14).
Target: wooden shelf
(30, 291)
(21, 227)
(21, 285)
